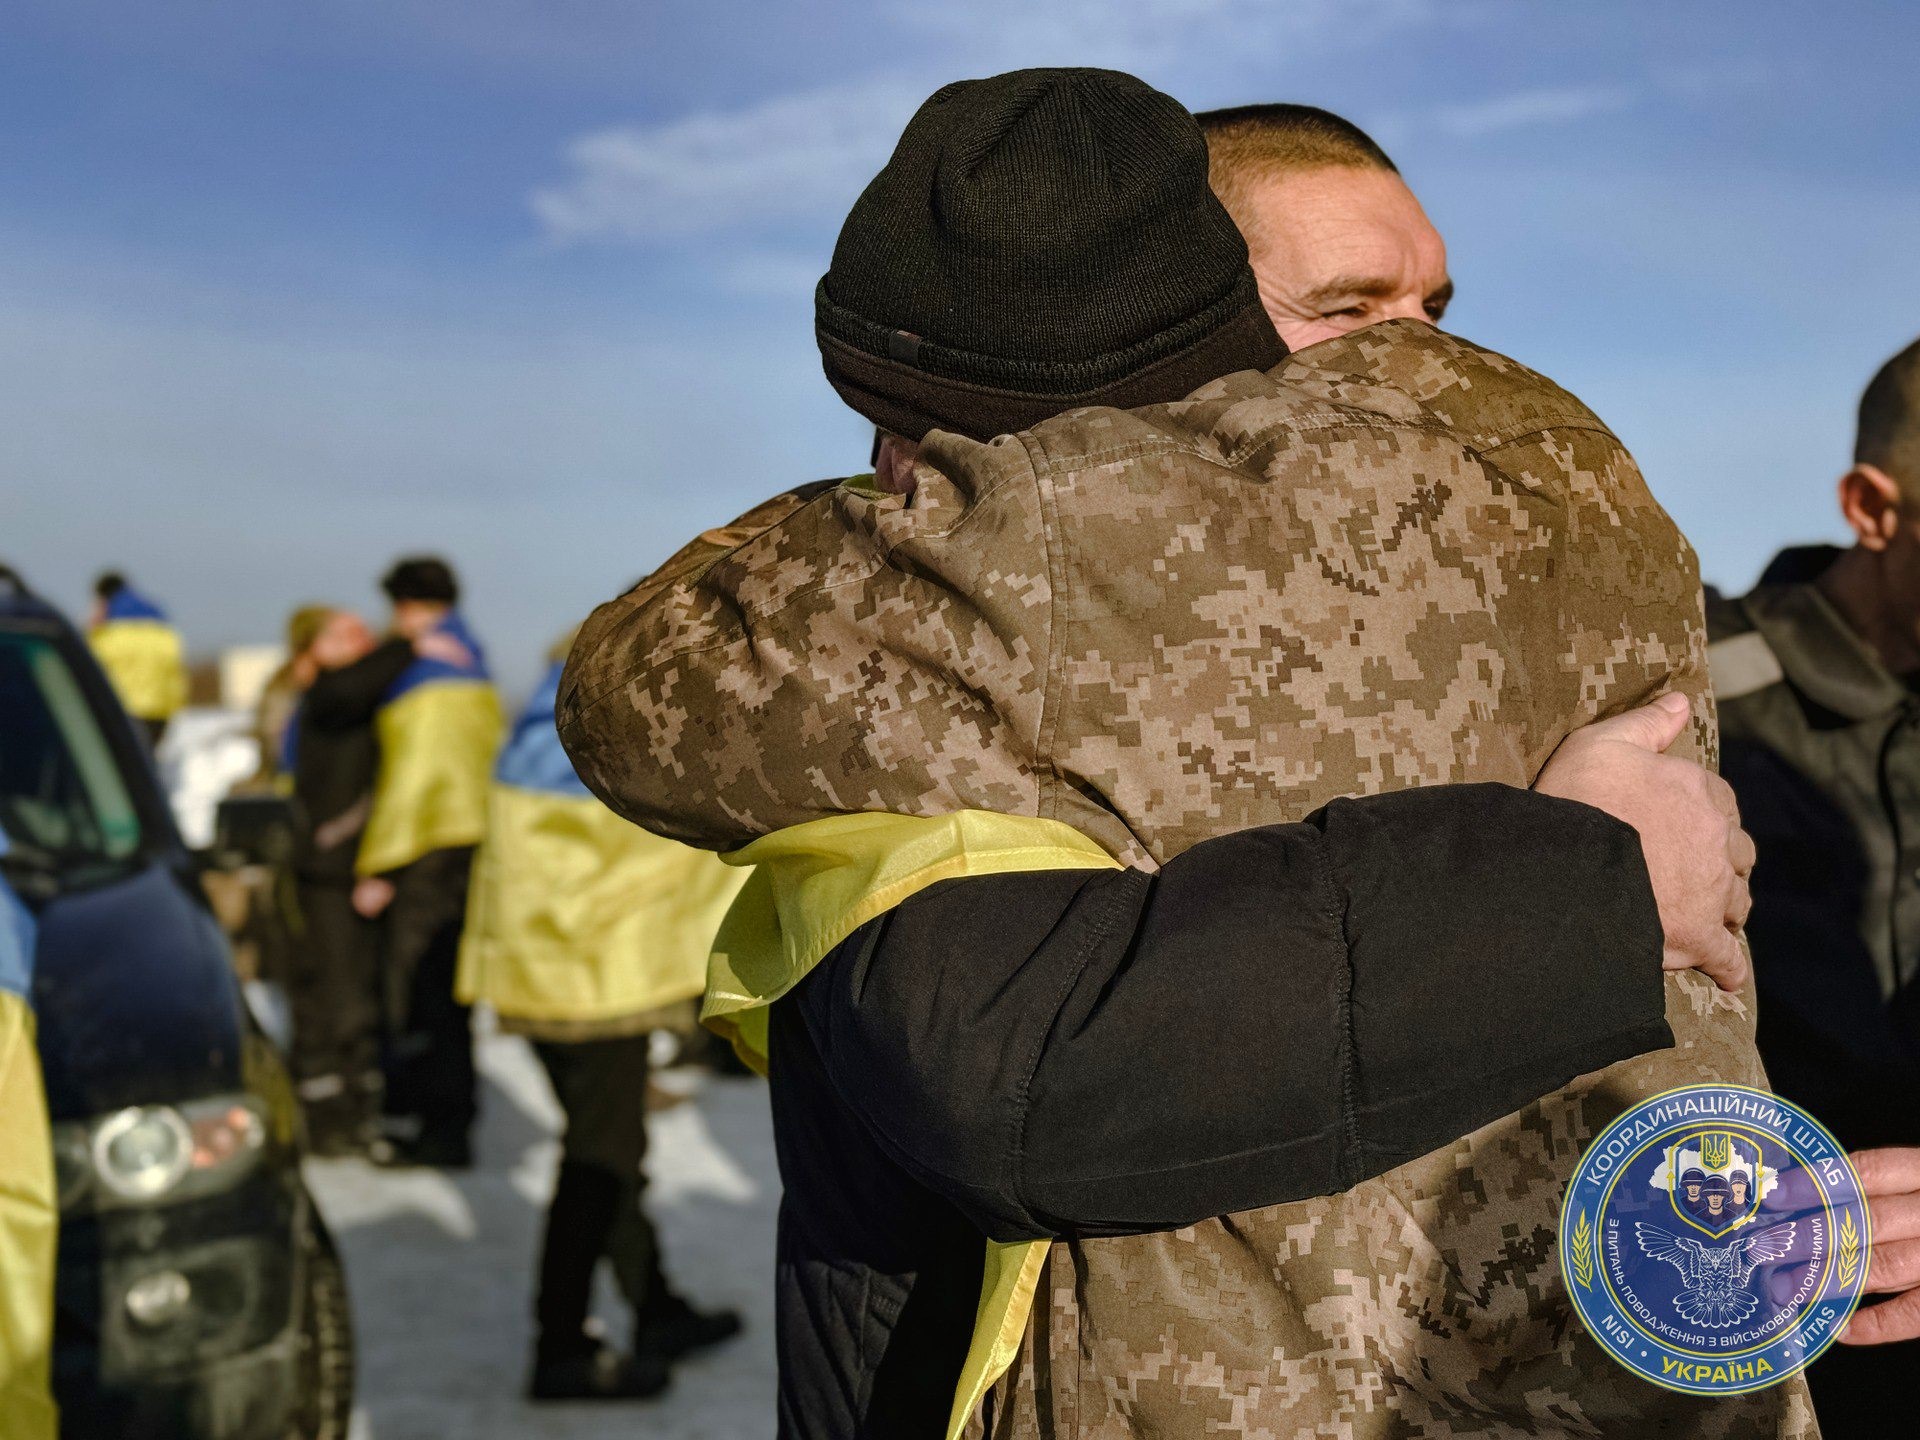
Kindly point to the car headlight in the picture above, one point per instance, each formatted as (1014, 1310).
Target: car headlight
(141, 1154)
(157, 1154)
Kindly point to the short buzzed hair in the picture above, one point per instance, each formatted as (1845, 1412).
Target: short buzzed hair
(1889, 435)
(1248, 142)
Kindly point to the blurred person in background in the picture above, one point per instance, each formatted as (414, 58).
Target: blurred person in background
(586, 934)
(437, 725)
(1336, 239)
(337, 677)
(140, 651)
(29, 1216)
(258, 905)
(279, 703)
(1817, 675)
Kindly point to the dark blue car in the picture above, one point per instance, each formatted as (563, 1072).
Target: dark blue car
(198, 1294)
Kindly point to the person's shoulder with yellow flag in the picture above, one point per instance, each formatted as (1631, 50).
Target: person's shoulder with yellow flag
(141, 651)
(29, 1217)
(439, 727)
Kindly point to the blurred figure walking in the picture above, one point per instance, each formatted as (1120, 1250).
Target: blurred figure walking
(140, 651)
(438, 726)
(586, 934)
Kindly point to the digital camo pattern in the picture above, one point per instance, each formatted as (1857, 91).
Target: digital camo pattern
(1396, 560)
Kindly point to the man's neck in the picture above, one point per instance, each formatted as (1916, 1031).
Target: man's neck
(1855, 586)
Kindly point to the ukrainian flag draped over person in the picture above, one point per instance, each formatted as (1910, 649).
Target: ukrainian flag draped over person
(577, 917)
(29, 1217)
(439, 728)
(142, 654)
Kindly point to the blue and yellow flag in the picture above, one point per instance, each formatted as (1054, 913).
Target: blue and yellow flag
(142, 655)
(815, 884)
(29, 1214)
(439, 728)
(576, 915)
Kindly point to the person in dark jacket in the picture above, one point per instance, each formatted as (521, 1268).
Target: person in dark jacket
(437, 724)
(583, 934)
(1817, 675)
(334, 990)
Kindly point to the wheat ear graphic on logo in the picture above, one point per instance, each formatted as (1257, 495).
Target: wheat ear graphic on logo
(1849, 1257)
(1583, 1252)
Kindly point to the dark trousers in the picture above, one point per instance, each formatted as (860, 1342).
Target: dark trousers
(333, 990)
(597, 1211)
(429, 1034)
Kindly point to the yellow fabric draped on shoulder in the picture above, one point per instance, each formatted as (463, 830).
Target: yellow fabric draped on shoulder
(437, 744)
(29, 1227)
(815, 884)
(146, 663)
(577, 915)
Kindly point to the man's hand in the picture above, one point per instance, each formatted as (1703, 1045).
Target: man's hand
(1891, 1180)
(438, 645)
(1698, 857)
(371, 896)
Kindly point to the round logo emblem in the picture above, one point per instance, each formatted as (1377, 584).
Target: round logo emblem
(1714, 1239)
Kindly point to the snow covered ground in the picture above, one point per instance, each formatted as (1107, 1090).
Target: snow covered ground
(440, 1268)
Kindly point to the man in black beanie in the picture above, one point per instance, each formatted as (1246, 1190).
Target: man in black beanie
(1039, 241)
(1025, 1051)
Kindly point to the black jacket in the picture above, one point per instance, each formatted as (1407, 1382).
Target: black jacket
(335, 758)
(1277, 1014)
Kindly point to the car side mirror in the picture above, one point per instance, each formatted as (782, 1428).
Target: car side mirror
(252, 830)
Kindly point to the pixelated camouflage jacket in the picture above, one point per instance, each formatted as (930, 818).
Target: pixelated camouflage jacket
(1397, 559)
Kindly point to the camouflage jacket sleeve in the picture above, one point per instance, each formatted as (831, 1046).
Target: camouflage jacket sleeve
(834, 651)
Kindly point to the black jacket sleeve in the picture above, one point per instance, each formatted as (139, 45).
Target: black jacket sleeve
(344, 698)
(1277, 1014)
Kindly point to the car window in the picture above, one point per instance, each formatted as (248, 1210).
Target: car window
(62, 793)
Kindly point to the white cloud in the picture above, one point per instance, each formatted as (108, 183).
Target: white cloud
(805, 156)
(1528, 109)
(789, 158)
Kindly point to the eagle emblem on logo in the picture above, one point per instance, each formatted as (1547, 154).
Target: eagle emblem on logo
(1713, 1292)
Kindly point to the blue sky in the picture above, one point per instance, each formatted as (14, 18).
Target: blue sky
(287, 289)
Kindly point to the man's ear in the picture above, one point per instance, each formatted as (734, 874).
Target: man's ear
(893, 459)
(1870, 501)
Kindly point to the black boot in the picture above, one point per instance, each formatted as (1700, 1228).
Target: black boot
(592, 1370)
(426, 1152)
(670, 1328)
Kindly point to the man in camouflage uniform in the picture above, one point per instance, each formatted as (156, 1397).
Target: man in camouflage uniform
(1394, 561)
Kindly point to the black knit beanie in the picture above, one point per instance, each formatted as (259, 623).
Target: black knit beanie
(1040, 240)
